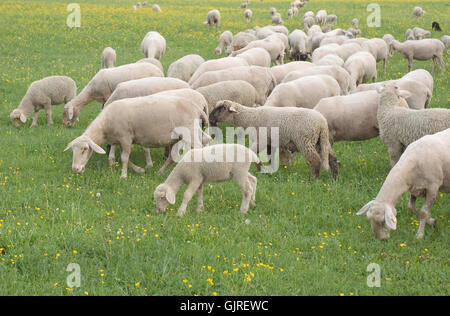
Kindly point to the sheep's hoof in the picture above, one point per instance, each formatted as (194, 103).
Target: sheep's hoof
(431, 221)
(181, 213)
(123, 176)
(199, 210)
(139, 170)
(148, 166)
(253, 204)
(244, 211)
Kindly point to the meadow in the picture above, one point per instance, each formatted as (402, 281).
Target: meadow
(303, 238)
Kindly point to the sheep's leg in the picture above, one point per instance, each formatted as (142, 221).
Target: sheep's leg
(112, 155)
(424, 214)
(148, 158)
(246, 187)
(313, 158)
(434, 64)
(48, 112)
(35, 118)
(253, 181)
(168, 163)
(200, 198)
(395, 151)
(334, 164)
(410, 63)
(125, 156)
(136, 169)
(193, 187)
(441, 60)
(384, 64)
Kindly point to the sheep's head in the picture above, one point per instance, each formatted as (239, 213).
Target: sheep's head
(218, 51)
(163, 196)
(68, 115)
(382, 218)
(392, 90)
(83, 147)
(17, 117)
(223, 112)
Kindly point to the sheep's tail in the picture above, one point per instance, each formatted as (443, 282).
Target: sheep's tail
(325, 147)
(428, 101)
(254, 158)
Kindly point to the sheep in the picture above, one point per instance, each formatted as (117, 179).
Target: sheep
(103, 84)
(418, 12)
(339, 39)
(143, 87)
(400, 127)
(330, 60)
(318, 37)
(304, 92)
(153, 61)
(352, 117)
(215, 163)
(108, 58)
(298, 43)
(217, 64)
(331, 19)
(256, 57)
(355, 23)
(213, 19)
(272, 11)
(225, 40)
(279, 72)
(314, 30)
(344, 51)
(321, 17)
(248, 15)
(294, 11)
(185, 67)
(378, 48)
(240, 40)
(244, 4)
(338, 73)
(409, 35)
(422, 76)
(446, 40)
(309, 14)
(148, 121)
(307, 22)
(273, 44)
(42, 94)
(355, 32)
(420, 33)
(423, 171)
(278, 29)
(238, 91)
(300, 130)
(156, 8)
(276, 19)
(263, 32)
(260, 78)
(153, 45)
(290, 13)
(425, 49)
(388, 38)
(362, 67)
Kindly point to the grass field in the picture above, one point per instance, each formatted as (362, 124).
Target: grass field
(304, 237)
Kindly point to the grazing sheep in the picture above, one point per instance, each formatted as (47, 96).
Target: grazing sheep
(213, 19)
(248, 15)
(338, 73)
(307, 22)
(256, 57)
(153, 45)
(362, 67)
(42, 94)
(148, 121)
(225, 40)
(423, 171)
(278, 29)
(244, 4)
(153, 61)
(217, 64)
(272, 11)
(388, 38)
(352, 117)
(409, 35)
(355, 32)
(418, 12)
(272, 44)
(156, 8)
(321, 17)
(185, 67)
(378, 48)
(422, 76)
(317, 38)
(240, 40)
(279, 72)
(355, 23)
(300, 130)
(304, 92)
(330, 60)
(314, 30)
(108, 58)
(103, 84)
(339, 39)
(276, 19)
(260, 78)
(290, 13)
(446, 40)
(331, 19)
(420, 33)
(425, 49)
(400, 127)
(344, 51)
(298, 43)
(215, 163)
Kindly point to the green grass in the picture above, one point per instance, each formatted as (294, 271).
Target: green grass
(303, 237)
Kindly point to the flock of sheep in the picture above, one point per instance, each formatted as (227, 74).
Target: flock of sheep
(313, 104)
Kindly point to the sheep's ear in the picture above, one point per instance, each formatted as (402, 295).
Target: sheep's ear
(96, 148)
(23, 118)
(405, 94)
(70, 112)
(232, 109)
(365, 208)
(170, 196)
(389, 218)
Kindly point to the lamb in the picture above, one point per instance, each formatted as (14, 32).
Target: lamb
(145, 86)
(362, 67)
(400, 127)
(216, 163)
(330, 60)
(240, 40)
(425, 49)
(378, 48)
(185, 67)
(217, 64)
(423, 170)
(248, 15)
(300, 130)
(42, 94)
(149, 121)
(256, 57)
(102, 86)
(153, 45)
(260, 78)
(338, 73)
(352, 117)
(276, 19)
(273, 44)
(213, 19)
(298, 43)
(108, 58)
(420, 33)
(156, 8)
(304, 92)
(409, 35)
(225, 40)
(153, 61)
(321, 17)
(418, 12)
(279, 72)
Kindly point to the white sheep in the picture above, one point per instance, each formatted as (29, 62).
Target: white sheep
(339, 39)
(42, 94)
(321, 17)
(213, 19)
(304, 92)
(400, 127)
(248, 15)
(418, 12)
(300, 130)
(153, 61)
(344, 51)
(330, 60)
(153, 45)
(273, 44)
(298, 42)
(156, 8)
(280, 71)
(103, 84)
(362, 68)
(423, 171)
(276, 19)
(338, 73)
(420, 33)
(331, 19)
(388, 38)
(409, 35)
(446, 40)
(225, 40)
(215, 163)
(425, 49)
(217, 64)
(290, 13)
(355, 23)
(149, 121)
(185, 67)
(378, 48)
(422, 76)
(256, 57)
(108, 58)
(314, 30)
(241, 40)
(307, 23)
(272, 11)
